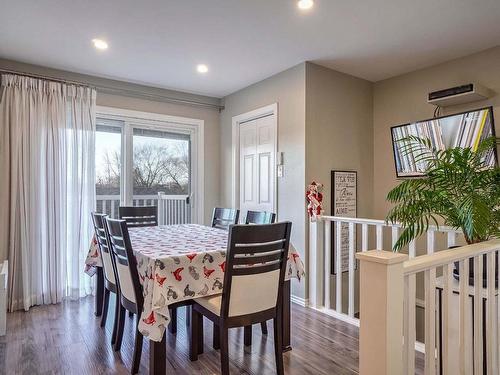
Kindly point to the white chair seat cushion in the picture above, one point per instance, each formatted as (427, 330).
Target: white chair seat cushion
(108, 267)
(125, 280)
(250, 294)
(211, 303)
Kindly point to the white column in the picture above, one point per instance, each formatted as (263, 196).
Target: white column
(381, 313)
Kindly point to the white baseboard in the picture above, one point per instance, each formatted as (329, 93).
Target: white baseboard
(333, 313)
(304, 302)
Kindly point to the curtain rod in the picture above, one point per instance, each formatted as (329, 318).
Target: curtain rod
(114, 90)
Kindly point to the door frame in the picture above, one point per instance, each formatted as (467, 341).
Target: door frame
(271, 109)
(157, 121)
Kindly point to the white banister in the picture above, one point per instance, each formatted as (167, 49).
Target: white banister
(334, 240)
(468, 315)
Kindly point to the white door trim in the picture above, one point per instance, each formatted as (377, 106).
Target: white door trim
(194, 127)
(271, 109)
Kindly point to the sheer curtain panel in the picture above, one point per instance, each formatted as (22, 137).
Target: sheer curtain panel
(47, 132)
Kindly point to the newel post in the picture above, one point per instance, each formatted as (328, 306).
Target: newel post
(316, 250)
(381, 313)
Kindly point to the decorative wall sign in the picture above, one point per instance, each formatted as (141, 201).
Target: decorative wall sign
(344, 204)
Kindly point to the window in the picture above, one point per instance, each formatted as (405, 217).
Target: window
(144, 162)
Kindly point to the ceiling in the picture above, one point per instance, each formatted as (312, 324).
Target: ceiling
(160, 42)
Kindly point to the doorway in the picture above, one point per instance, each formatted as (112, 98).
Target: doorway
(254, 160)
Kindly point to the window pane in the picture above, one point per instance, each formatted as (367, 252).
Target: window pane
(108, 168)
(161, 164)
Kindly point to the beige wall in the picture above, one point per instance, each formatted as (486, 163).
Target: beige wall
(339, 135)
(288, 90)
(325, 123)
(404, 98)
(339, 131)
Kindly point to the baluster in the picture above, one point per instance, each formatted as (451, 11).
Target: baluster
(327, 262)
(464, 316)
(338, 263)
(364, 237)
(352, 250)
(380, 237)
(409, 328)
(478, 315)
(394, 235)
(430, 321)
(452, 239)
(446, 305)
(490, 315)
(431, 242)
(412, 249)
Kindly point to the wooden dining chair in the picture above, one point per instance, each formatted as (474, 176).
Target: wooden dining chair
(129, 286)
(256, 262)
(258, 217)
(108, 265)
(139, 216)
(222, 218)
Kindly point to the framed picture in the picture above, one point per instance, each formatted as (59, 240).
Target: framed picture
(344, 204)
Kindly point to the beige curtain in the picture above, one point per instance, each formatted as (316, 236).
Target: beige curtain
(47, 132)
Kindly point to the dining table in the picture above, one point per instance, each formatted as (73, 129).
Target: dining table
(177, 263)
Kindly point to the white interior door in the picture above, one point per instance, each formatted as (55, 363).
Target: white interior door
(257, 165)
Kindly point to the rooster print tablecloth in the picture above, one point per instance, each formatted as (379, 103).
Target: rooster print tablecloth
(177, 263)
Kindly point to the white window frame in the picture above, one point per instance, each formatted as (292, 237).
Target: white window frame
(161, 122)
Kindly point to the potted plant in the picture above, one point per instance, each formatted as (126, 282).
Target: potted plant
(458, 190)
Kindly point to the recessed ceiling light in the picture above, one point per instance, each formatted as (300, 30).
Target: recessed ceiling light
(305, 4)
(100, 44)
(202, 68)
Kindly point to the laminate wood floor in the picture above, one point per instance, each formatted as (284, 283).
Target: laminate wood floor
(67, 339)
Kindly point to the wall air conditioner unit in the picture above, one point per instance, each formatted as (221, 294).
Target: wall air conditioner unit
(471, 92)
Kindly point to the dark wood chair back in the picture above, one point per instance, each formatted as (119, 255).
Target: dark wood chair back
(222, 218)
(139, 216)
(260, 217)
(255, 271)
(129, 284)
(102, 242)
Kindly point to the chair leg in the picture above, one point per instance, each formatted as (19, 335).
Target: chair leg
(115, 323)
(172, 326)
(105, 305)
(224, 351)
(136, 361)
(278, 346)
(119, 332)
(247, 335)
(216, 337)
(194, 330)
(188, 315)
(263, 326)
